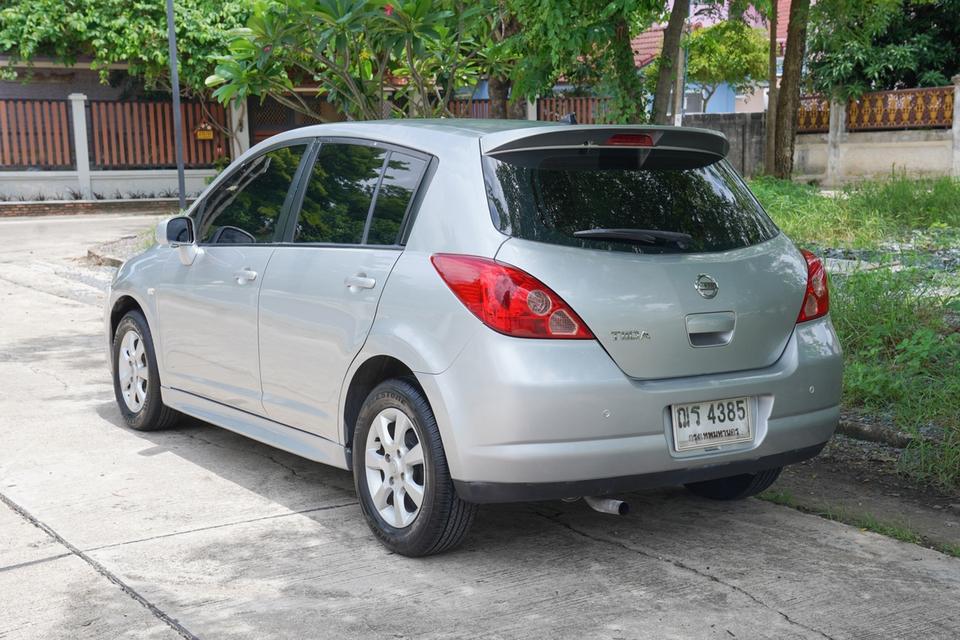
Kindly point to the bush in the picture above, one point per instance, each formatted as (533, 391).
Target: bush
(902, 358)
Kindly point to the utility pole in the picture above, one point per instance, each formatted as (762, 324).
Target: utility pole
(177, 120)
(680, 86)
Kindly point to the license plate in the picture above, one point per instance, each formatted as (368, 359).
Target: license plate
(700, 425)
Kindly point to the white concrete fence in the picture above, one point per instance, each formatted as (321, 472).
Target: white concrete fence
(841, 156)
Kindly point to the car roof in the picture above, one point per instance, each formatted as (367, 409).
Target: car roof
(435, 135)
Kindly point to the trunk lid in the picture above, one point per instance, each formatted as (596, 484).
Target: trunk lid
(653, 240)
(648, 314)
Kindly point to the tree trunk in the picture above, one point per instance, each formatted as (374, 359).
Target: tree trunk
(499, 86)
(668, 58)
(788, 98)
(499, 90)
(770, 123)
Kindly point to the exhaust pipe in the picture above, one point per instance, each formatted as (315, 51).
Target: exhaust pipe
(608, 505)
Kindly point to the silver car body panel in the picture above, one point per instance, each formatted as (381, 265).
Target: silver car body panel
(509, 409)
(621, 295)
(312, 324)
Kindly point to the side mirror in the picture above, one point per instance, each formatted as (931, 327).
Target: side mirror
(175, 232)
(178, 233)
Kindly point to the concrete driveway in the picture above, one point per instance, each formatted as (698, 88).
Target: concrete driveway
(196, 532)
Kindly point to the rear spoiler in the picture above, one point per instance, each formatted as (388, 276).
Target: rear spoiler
(703, 142)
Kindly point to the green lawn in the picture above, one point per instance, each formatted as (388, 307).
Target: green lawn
(899, 325)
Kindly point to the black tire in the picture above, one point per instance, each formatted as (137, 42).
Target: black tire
(153, 414)
(443, 518)
(736, 487)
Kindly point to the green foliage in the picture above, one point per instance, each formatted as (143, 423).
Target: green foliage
(866, 45)
(122, 31)
(810, 218)
(866, 214)
(728, 52)
(910, 202)
(587, 44)
(902, 358)
(898, 327)
(370, 58)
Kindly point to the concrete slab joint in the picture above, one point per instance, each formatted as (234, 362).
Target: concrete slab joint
(78, 102)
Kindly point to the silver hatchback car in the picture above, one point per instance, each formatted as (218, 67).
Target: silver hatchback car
(465, 312)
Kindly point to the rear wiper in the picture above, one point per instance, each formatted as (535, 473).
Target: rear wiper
(642, 236)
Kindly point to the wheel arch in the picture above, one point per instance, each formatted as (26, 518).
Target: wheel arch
(371, 372)
(123, 305)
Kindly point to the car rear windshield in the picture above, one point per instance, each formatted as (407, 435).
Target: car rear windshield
(548, 195)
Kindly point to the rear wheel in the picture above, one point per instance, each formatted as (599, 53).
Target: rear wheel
(736, 487)
(136, 380)
(401, 475)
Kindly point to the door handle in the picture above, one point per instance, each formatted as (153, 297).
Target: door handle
(245, 275)
(360, 281)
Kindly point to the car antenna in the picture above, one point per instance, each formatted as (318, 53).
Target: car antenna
(570, 118)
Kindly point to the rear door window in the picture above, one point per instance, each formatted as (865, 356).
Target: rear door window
(400, 181)
(548, 196)
(339, 192)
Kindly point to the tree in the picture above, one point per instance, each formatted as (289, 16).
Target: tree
(669, 55)
(871, 45)
(499, 83)
(586, 43)
(772, 90)
(729, 52)
(122, 31)
(371, 59)
(788, 98)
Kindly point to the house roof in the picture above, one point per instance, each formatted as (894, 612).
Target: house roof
(648, 44)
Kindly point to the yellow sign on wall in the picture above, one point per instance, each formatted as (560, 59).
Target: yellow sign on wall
(203, 131)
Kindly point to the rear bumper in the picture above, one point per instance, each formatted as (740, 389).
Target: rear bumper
(541, 417)
(489, 492)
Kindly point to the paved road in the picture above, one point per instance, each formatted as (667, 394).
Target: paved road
(195, 532)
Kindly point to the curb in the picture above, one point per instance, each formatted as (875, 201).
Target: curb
(140, 206)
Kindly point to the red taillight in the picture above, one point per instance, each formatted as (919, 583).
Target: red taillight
(630, 140)
(509, 300)
(816, 299)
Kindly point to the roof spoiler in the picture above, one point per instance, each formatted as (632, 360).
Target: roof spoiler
(703, 142)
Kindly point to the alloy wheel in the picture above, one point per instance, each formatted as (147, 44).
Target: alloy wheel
(395, 468)
(133, 370)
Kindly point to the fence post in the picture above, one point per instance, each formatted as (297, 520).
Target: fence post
(838, 126)
(956, 125)
(78, 112)
(240, 126)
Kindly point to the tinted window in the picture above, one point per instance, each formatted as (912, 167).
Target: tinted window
(246, 207)
(339, 193)
(548, 197)
(396, 191)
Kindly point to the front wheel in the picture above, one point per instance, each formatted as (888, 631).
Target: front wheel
(401, 474)
(736, 487)
(136, 379)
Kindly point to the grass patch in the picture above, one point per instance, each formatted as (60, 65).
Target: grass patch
(779, 496)
(900, 330)
(902, 359)
(864, 215)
